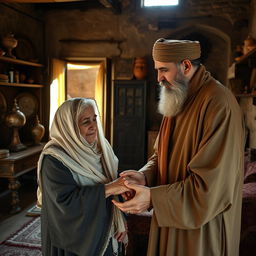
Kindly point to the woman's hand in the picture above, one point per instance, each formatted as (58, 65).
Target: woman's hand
(121, 235)
(115, 187)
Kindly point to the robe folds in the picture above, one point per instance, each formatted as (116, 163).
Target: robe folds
(197, 199)
(75, 220)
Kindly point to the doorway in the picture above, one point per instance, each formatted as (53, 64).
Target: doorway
(89, 78)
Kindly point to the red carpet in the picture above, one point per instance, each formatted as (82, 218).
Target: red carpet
(25, 242)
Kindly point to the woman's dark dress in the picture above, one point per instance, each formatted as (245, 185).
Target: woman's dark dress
(75, 220)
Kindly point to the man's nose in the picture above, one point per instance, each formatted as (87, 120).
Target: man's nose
(159, 77)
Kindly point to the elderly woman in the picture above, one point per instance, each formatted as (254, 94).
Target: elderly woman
(77, 176)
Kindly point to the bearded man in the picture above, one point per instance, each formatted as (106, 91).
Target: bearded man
(194, 180)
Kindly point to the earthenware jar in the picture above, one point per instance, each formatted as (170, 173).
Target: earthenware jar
(140, 68)
(37, 131)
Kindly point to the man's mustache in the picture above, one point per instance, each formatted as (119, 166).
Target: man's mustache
(164, 83)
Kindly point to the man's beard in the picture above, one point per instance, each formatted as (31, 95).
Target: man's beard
(172, 99)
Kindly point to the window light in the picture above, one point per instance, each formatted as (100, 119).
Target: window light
(148, 3)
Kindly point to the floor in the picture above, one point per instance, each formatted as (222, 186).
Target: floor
(9, 223)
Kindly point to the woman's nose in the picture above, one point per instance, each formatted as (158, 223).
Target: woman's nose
(93, 125)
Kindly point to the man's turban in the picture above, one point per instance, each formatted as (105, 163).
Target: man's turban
(165, 50)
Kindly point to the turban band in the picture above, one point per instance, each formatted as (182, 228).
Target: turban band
(165, 50)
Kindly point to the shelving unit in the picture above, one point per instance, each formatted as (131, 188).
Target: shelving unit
(244, 75)
(32, 72)
(245, 95)
(21, 162)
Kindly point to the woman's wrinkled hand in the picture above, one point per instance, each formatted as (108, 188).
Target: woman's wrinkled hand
(115, 187)
(121, 235)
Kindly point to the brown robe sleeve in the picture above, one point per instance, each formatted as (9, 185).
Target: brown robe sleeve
(151, 167)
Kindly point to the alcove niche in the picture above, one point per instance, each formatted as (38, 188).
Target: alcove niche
(215, 48)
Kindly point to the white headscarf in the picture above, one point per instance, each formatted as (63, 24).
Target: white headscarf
(80, 157)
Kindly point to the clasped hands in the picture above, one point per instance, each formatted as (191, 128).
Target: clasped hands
(131, 185)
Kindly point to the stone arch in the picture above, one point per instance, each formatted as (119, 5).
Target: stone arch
(215, 47)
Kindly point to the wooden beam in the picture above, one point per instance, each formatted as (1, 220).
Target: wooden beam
(115, 5)
(42, 1)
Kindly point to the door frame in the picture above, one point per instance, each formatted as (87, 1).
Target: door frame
(107, 90)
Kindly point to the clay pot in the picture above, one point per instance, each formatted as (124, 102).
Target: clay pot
(22, 77)
(37, 131)
(9, 42)
(140, 69)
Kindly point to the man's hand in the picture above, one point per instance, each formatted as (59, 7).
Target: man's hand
(133, 177)
(139, 203)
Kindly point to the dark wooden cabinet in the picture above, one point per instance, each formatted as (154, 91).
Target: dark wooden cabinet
(129, 129)
(16, 165)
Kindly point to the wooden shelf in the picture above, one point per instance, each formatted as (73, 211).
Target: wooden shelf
(20, 62)
(22, 85)
(245, 95)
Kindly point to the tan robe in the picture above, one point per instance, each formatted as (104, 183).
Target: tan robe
(197, 210)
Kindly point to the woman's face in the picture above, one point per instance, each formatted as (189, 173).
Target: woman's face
(88, 125)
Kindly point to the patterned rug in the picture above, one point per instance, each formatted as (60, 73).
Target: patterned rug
(25, 242)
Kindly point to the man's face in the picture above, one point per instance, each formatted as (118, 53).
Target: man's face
(166, 72)
(174, 87)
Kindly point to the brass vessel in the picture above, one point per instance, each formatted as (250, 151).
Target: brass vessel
(15, 119)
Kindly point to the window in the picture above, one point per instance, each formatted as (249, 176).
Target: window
(150, 3)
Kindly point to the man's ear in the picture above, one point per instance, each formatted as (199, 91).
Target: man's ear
(187, 65)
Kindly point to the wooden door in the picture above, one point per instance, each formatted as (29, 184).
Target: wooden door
(129, 129)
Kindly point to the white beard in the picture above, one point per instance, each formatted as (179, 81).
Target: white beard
(172, 99)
